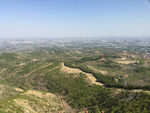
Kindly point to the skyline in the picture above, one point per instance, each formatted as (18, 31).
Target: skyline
(74, 18)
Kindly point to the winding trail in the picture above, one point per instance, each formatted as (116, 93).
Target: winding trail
(26, 75)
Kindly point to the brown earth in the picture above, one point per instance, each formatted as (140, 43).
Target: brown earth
(89, 76)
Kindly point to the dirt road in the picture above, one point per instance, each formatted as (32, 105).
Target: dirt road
(26, 75)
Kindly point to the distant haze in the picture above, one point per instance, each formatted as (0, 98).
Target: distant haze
(74, 18)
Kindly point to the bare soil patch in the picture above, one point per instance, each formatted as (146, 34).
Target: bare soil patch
(42, 102)
(89, 76)
(98, 71)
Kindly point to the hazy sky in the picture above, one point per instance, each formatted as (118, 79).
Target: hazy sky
(74, 18)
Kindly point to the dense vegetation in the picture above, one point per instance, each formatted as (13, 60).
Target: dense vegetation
(94, 98)
(74, 88)
(108, 81)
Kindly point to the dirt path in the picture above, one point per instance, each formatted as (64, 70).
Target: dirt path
(26, 75)
(90, 77)
(53, 69)
(125, 62)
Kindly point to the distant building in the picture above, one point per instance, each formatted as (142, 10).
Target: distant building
(147, 55)
(133, 56)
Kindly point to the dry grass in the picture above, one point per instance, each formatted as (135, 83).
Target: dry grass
(49, 103)
(25, 104)
(98, 70)
(126, 62)
(89, 76)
